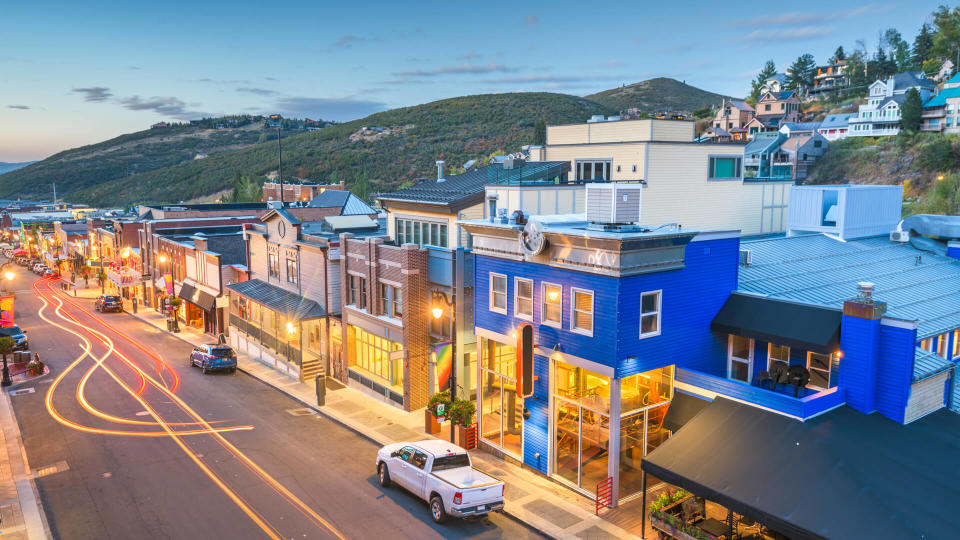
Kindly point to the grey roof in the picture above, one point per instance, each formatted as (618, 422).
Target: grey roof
(740, 104)
(289, 303)
(802, 126)
(818, 269)
(764, 142)
(927, 364)
(911, 79)
(719, 132)
(349, 203)
(898, 98)
(833, 121)
(451, 190)
(780, 77)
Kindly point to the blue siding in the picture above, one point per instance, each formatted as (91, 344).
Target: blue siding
(859, 340)
(897, 349)
(536, 433)
(955, 400)
(691, 299)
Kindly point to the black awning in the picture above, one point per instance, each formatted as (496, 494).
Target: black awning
(803, 326)
(195, 296)
(683, 407)
(842, 474)
(281, 300)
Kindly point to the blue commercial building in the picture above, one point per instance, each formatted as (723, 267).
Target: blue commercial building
(640, 328)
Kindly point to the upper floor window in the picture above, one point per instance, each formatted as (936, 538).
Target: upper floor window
(523, 301)
(650, 314)
(391, 301)
(552, 313)
(291, 271)
(766, 107)
(362, 294)
(358, 291)
(273, 268)
(422, 233)
(581, 318)
(740, 358)
(820, 367)
(778, 354)
(724, 167)
(942, 346)
(498, 293)
(593, 169)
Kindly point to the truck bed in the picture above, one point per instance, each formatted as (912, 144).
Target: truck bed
(466, 478)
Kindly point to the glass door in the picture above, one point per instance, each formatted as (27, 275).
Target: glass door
(581, 446)
(501, 409)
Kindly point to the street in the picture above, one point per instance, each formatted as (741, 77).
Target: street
(134, 443)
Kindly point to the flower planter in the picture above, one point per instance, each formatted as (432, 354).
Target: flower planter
(669, 529)
(430, 424)
(460, 438)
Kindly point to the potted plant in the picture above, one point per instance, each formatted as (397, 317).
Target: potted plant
(461, 415)
(439, 401)
(35, 367)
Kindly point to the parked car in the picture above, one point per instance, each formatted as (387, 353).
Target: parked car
(442, 474)
(108, 302)
(214, 358)
(20, 341)
(51, 272)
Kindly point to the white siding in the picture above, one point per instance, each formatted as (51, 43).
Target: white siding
(926, 396)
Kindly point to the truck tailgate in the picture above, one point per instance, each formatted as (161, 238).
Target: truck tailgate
(476, 486)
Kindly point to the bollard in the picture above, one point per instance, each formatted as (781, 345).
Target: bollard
(321, 390)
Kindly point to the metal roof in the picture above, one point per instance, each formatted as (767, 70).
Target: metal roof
(927, 364)
(277, 299)
(837, 120)
(940, 99)
(801, 126)
(817, 269)
(452, 189)
(349, 204)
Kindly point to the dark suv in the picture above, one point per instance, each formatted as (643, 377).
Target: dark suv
(108, 302)
(20, 342)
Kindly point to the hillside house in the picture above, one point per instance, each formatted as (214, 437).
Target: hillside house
(733, 117)
(772, 109)
(781, 156)
(835, 126)
(941, 113)
(881, 114)
(774, 84)
(830, 78)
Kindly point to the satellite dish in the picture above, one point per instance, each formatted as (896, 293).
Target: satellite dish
(532, 240)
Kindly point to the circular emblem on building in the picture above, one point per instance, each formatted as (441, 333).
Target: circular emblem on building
(282, 229)
(532, 240)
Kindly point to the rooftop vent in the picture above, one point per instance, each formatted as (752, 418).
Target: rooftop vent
(513, 162)
(746, 257)
(865, 292)
(613, 203)
(440, 177)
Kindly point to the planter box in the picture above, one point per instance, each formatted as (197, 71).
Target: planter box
(669, 529)
(460, 438)
(430, 424)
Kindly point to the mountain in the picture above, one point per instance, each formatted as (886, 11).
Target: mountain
(660, 94)
(7, 167)
(411, 140)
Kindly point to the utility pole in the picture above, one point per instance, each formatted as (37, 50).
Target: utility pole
(280, 157)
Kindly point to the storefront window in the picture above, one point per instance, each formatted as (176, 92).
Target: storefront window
(372, 353)
(646, 389)
(582, 443)
(582, 386)
(501, 410)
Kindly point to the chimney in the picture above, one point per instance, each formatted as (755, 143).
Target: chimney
(865, 292)
(440, 177)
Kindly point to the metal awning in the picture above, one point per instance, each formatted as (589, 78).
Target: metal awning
(803, 326)
(197, 297)
(842, 474)
(277, 299)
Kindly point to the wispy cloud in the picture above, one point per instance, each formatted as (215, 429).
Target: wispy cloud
(256, 91)
(548, 78)
(21, 107)
(797, 18)
(169, 106)
(269, 79)
(531, 20)
(135, 68)
(786, 34)
(94, 93)
(338, 109)
(469, 69)
(346, 41)
(679, 48)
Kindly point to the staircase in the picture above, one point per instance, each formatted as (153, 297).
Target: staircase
(311, 367)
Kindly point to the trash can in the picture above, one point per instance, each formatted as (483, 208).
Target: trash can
(169, 325)
(321, 390)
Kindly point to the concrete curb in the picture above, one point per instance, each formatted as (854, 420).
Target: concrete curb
(31, 506)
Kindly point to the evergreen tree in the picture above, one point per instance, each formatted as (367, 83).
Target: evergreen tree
(910, 111)
(361, 185)
(768, 71)
(800, 73)
(838, 56)
(857, 72)
(946, 39)
(922, 45)
(237, 188)
(540, 132)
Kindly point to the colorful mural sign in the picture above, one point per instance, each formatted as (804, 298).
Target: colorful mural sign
(168, 283)
(443, 364)
(6, 311)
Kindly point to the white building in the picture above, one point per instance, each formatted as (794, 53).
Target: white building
(881, 114)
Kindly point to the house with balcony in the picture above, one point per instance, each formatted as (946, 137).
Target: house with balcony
(941, 113)
(835, 126)
(782, 156)
(880, 116)
(680, 177)
(732, 118)
(772, 109)
(830, 78)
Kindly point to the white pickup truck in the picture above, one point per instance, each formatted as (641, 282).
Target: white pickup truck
(440, 473)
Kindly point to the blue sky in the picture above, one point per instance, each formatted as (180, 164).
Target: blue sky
(74, 73)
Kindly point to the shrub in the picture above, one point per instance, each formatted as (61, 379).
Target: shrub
(939, 155)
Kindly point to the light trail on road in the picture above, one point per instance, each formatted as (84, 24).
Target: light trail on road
(146, 381)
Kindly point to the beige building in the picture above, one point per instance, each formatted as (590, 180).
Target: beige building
(698, 185)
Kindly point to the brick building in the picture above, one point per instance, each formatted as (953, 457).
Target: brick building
(297, 192)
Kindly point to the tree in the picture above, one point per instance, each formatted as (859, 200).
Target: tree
(800, 73)
(898, 51)
(857, 71)
(6, 347)
(838, 56)
(946, 39)
(922, 45)
(931, 67)
(540, 132)
(361, 185)
(910, 111)
(235, 195)
(703, 112)
(768, 71)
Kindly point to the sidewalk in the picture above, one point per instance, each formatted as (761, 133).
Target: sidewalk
(530, 498)
(21, 515)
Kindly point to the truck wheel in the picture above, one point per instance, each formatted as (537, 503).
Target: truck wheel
(437, 512)
(384, 474)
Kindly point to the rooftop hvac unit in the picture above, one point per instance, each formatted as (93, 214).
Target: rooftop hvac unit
(746, 257)
(614, 203)
(899, 236)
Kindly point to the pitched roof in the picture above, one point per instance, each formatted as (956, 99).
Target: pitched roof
(764, 142)
(940, 99)
(897, 98)
(453, 189)
(740, 104)
(836, 120)
(719, 132)
(286, 302)
(911, 79)
(821, 270)
(794, 143)
(348, 203)
(927, 364)
(801, 126)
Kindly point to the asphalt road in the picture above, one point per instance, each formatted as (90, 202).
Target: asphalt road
(288, 477)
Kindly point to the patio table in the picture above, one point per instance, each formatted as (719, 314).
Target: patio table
(714, 527)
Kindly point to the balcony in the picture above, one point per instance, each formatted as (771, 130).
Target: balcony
(933, 113)
(805, 407)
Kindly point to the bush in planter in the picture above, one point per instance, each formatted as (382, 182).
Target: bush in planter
(438, 398)
(461, 412)
(35, 367)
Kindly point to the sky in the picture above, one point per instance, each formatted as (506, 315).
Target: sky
(75, 73)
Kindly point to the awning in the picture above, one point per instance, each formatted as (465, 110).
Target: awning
(842, 474)
(197, 297)
(682, 409)
(803, 326)
(290, 304)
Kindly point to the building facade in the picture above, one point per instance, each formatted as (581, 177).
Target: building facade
(881, 114)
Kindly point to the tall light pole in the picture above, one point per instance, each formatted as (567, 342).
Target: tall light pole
(280, 158)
